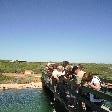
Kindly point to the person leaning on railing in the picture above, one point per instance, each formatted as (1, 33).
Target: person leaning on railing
(92, 81)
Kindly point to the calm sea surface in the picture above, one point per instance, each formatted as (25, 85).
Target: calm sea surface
(30, 100)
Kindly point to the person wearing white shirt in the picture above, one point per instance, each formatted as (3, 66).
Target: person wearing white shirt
(55, 73)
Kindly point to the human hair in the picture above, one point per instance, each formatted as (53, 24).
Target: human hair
(55, 66)
(80, 66)
(74, 69)
(68, 70)
(65, 63)
(87, 77)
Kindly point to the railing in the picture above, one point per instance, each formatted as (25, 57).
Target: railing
(78, 98)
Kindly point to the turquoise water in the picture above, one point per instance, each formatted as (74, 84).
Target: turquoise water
(30, 100)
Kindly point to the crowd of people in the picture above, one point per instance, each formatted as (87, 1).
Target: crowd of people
(67, 71)
(60, 74)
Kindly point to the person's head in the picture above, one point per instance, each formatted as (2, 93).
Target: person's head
(75, 69)
(65, 63)
(81, 67)
(87, 77)
(55, 66)
(60, 68)
(68, 68)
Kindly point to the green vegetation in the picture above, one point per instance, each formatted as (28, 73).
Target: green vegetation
(19, 67)
(6, 66)
(103, 70)
(4, 79)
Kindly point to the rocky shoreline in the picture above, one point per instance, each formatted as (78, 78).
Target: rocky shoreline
(21, 86)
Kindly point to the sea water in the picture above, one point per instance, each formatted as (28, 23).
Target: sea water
(27, 100)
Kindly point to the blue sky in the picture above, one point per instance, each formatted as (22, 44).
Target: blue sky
(56, 30)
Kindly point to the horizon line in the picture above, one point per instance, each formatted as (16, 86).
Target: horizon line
(57, 61)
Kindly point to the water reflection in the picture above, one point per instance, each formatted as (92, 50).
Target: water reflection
(30, 100)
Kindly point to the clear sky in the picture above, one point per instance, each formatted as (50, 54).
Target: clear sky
(56, 30)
